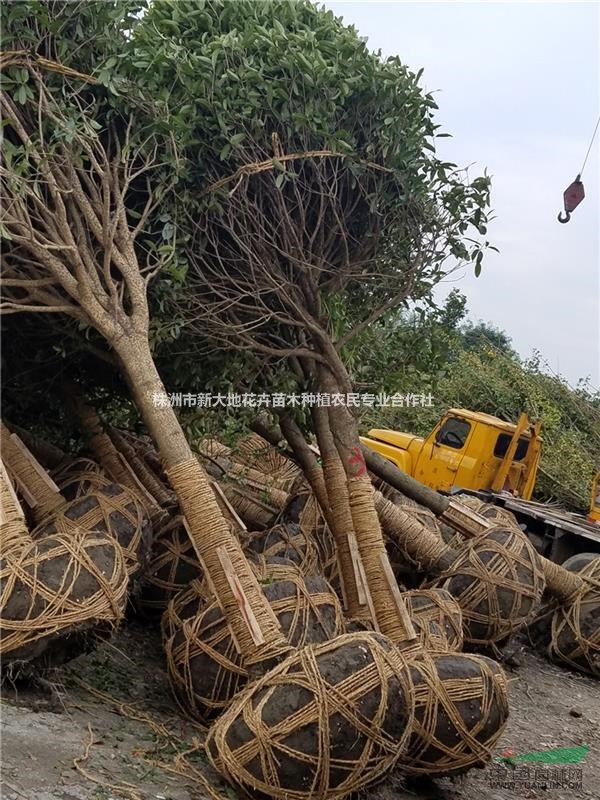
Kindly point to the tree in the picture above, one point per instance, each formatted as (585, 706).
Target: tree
(327, 207)
(477, 336)
(74, 164)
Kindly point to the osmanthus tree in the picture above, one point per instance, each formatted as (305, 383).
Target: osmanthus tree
(323, 206)
(83, 175)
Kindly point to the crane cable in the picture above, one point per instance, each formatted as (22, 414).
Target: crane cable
(574, 193)
(589, 150)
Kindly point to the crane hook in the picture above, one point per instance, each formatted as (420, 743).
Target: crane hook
(565, 218)
(572, 196)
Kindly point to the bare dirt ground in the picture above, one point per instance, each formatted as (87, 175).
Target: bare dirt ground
(106, 727)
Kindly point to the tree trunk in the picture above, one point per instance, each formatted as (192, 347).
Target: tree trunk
(341, 522)
(253, 623)
(308, 461)
(391, 613)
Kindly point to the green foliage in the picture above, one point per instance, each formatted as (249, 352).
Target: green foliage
(226, 76)
(476, 335)
(408, 350)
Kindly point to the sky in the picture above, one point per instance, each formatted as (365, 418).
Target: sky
(517, 86)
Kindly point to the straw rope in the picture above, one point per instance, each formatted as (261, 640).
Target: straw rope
(204, 665)
(314, 525)
(77, 484)
(29, 474)
(461, 710)
(498, 582)
(13, 531)
(575, 632)
(418, 544)
(437, 619)
(339, 502)
(173, 564)
(58, 585)
(286, 541)
(327, 722)
(496, 514)
(147, 478)
(98, 441)
(113, 509)
(211, 537)
(255, 511)
(25, 58)
(255, 452)
(186, 604)
(496, 578)
(562, 583)
(75, 466)
(390, 615)
(269, 164)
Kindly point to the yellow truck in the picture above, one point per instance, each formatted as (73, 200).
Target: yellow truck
(477, 453)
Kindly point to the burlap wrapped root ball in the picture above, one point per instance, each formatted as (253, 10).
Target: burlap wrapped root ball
(539, 629)
(173, 564)
(328, 721)
(437, 619)
(114, 509)
(287, 540)
(74, 484)
(461, 709)
(498, 581)
(189, 601)
(204, 665)
(56, 592)
(495, 514)
(575, 628)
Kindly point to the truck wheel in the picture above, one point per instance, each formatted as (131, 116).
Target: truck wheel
(580, 560)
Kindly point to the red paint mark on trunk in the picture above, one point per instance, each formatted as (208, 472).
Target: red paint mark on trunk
(356, 462)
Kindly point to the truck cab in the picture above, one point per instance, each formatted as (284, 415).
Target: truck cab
(467, 450)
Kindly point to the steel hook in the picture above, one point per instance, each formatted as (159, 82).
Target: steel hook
(566, 217)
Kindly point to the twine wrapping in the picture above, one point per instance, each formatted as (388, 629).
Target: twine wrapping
(242, 602)
(114, 509)
(256, 511)
(498, 582)
(343, 527)
(53, 588)
(42, 492)
(76, 484)
(204, 665)
(496, 514)
(286, 541)
(575, 633)
(172, 566)
(437, 619)
(256, 453)
(461, 710)
(389, 612)
(329, 721)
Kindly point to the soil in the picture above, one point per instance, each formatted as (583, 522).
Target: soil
(66, 739)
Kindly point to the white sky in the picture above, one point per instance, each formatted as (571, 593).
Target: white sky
(519, 92)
